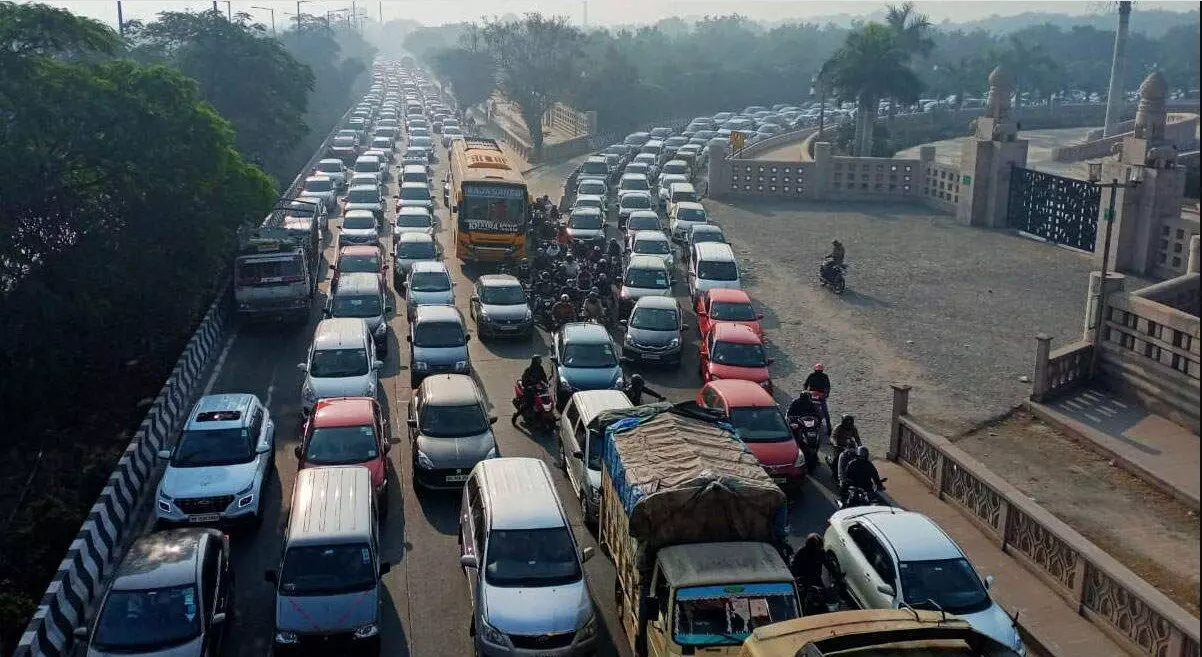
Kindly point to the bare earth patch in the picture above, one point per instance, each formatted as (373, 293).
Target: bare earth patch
(1147, 531)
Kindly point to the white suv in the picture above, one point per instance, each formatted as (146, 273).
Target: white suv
(217, 470)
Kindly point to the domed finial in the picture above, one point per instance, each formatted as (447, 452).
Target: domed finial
(1154, 87)
(999, 94)
(998, 78)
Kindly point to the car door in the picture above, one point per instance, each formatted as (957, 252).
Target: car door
(212, 597)
(869, 567)
(569, 444)
(383, 433)
(704, 347)
(703, 309)
(474, 303)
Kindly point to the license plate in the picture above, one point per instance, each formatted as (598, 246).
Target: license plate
(208, 517)
(650, 356)
(779, 480)
(508, 328)
(456, 478)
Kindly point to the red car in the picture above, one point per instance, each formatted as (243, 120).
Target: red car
(358, 258)
(761, 426)
(734, 351)
(348, 431)
(724, 305)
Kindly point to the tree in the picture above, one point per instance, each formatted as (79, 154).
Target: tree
(911, 33)
(251, 80)
(1030, 68)
(33, 30)
(870, 66)
(536, 60)
(471, 74)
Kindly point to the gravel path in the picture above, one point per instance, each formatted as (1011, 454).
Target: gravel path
(947, 309)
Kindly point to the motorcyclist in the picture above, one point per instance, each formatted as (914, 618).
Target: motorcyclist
(818, 381)
(570, 268)
(808, 562)
(637, 387)
(860, 473)
(833, 261)
(593, 308)
(584, 279)
(563, 311)
(554, 213)
(554, 250)
(601, 285)
(803, 406)
(613, 250)
(596, 254)
(541, 261)
(846, 439)
(543, 286)
(533, 377)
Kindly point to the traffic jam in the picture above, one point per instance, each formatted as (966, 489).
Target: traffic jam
(457, 418)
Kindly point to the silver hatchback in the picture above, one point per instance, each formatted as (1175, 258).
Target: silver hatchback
(429, 284)
(450, 430)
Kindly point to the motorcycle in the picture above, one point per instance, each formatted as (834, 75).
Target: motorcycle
(542, 313)
(806, 433)
(832, 460)
(833, 276)
(817, 600)
(540, 414)
(857, 496)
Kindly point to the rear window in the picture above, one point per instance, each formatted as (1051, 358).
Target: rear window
(681, 196)
(720, 270)
(283, 270)
(415, 176)
(597, 167)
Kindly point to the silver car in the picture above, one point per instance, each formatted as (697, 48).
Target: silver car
(415, 195)
(217, 470)
(586, 224)
(359, 227)
(500, 307)
(645, 276)
(334, 168)
(363, 295)
(450, 430)
(652, 243)
(342, 362)
(413, 219)
(429, 283)
(653, 332)
(632, 202)
(411, 248)
(365, 197)
(323, 187)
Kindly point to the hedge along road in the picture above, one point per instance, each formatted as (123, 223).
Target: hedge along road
(426, 609)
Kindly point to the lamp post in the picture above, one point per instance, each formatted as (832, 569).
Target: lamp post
(298, 14)
(1135, 175)
(817, 84)
(120, 19)
(272, 10)
(229, 11)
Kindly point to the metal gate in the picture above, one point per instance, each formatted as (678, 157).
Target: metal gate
(1058, 209)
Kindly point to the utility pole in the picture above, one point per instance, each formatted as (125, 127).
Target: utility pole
(272, 10)
(298, 15)
(120, 20)
(584, 14)
(381, 12)
(229, 11)
(215, 9)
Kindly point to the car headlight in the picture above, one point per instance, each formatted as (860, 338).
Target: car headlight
(246, 496)
(285, 637)
(424, 461)
(485, 316)
(490, 634)
(619, 382)
(460, 365)
(629, 341)
(767, 385)
(366, 631)
(566, 385)
(674, 343)
(420, 366)
(588, 630)
(528, 316)
(308, 394)
(800, 461)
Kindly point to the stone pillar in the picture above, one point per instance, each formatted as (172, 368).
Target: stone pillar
(718, 173)
(1195, 260)
(819, 184)
(1039, 382)
(901, 406)
(986, 158)
(1098, 295)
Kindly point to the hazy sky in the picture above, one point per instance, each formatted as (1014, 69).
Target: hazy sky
(605, 12)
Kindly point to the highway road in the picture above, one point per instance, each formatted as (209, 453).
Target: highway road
(426, 609)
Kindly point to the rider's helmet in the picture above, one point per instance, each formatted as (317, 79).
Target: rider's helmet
(570, 257)
(592, 295)
(536, 360)
(862, 452)
(818, 367)
(602, 278)
(836, 243)
(564, 297)
(544, 276)
(602, 262)
(636, 379)
(847, 420)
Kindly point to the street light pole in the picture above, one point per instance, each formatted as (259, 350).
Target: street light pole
(229, 11)
(1095, 177)
(272, 10)
(298, 15)
(120, 19)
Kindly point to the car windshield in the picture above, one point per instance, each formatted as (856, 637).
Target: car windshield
(200, 448)
(643, 223)
(727, 311)
(666, 181)
(438, 335)
(726, 615)
(382, 142)
(453, 421)
(320, 186)
(531, 557)
(342, 445)
(354, 264)
(595, 167)
(502, 295)
(949, 585)
(702, 236)
(635, 184)
(335, 363)
(589, 355)
(717, 270)
(367, 166)
(655, 319)
(415, 250)
(406, 220)
(416, 176)
(586, 221)
(363, 196)
(415, 193)
(148, 620)
(690, 214)
(329, 167)
(680, 168)
(739, 354)
(327, 570)
(759, 424)
(415, 153)
(654, 247)
(358, 222)
(421, 142)
(636, 201)
(357, 305)
(429, 281)
(647, 278)
(344, 141)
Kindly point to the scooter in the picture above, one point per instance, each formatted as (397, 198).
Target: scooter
(540, 414)
(806, 433)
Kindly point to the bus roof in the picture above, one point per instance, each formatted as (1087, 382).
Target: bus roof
(482, 160)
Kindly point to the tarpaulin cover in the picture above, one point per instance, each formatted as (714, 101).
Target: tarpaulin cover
(683, 478)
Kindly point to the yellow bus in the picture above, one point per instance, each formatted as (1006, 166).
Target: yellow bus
(491, 201)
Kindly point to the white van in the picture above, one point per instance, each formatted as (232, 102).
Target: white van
(712, 265)
(581, 436)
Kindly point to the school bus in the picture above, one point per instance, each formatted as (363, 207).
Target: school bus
(490, 201)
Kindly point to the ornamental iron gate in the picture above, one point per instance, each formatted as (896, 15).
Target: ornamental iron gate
(1058, 209)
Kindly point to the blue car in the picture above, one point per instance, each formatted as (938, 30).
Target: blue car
(584, 358)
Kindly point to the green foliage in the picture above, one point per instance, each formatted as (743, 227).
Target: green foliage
(252, 80)
(471, 73)
(423, 42)
(28, 30)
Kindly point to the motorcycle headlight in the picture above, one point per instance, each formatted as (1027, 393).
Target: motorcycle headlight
(285, 637)
(420, 366)
(366, 631)
(492, 635)
(424, 461)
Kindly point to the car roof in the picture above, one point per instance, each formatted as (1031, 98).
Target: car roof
(681, 185)
(644, 213)
(587, 332)
(359, 250)
(367, 157)
(331, 505)
(676, 161)
(591, 181)
(637, 192)
(913, 536)
(415, 168)
(436, 312)
(728, 295)
(344, 412)
(166, 558)
(225, 404)
(736, 333)
(644, 261)
(591, 403)
(358, 282)
(331, 160)
(737, 392)
(411, 185)
(690, 205)
(430, 266)
(714, 251)
(634, 176)
(373, 188)
(521, 492)
(499, 280)
(359, 212)
(413, 236)
(650, 235)
(415, 209)
(586, 210)
(706, 228)
(340, 333)
(450, 390)
(667, 303)
(317, 177)
(595, 158)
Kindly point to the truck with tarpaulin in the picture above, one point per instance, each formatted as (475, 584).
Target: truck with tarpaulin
(695, 529)
(274, 274)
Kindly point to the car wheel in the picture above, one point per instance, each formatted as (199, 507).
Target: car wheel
(563, 458)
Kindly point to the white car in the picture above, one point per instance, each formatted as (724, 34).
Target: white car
(887, 558)
(323, 187)
(652, 243)
(364, 197)
(359, 227)
(217, 470)
(413, 219)
(334, 168)
(592, 187)
(665, 186)
(429, 284)
(683, 216)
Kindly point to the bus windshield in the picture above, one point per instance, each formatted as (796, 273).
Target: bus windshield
(493, 208)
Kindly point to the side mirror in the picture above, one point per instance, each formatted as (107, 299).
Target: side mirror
(263, 448)
(409, 338)
(298, 451)
(554, 360)
(396, 196)
(492, 419)
(304, 367)
(468, 561)
(885, 589)
(587, 553)
(218, 618)
(770, 361)
(384, 267)
(377, 364)
(759, 315)
(685, 327)
(270, 576)
(387, 447)
(327, 313)
(622, 322)
(467, 337)
(577, 454)
(164, 453)
(333, 268)
(989, 581)
(385, 567)
(412, 422)
(475, 299)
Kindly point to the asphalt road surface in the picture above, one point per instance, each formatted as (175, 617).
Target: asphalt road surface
(426, 610)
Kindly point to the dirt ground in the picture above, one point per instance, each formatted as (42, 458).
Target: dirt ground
(1147, 531)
